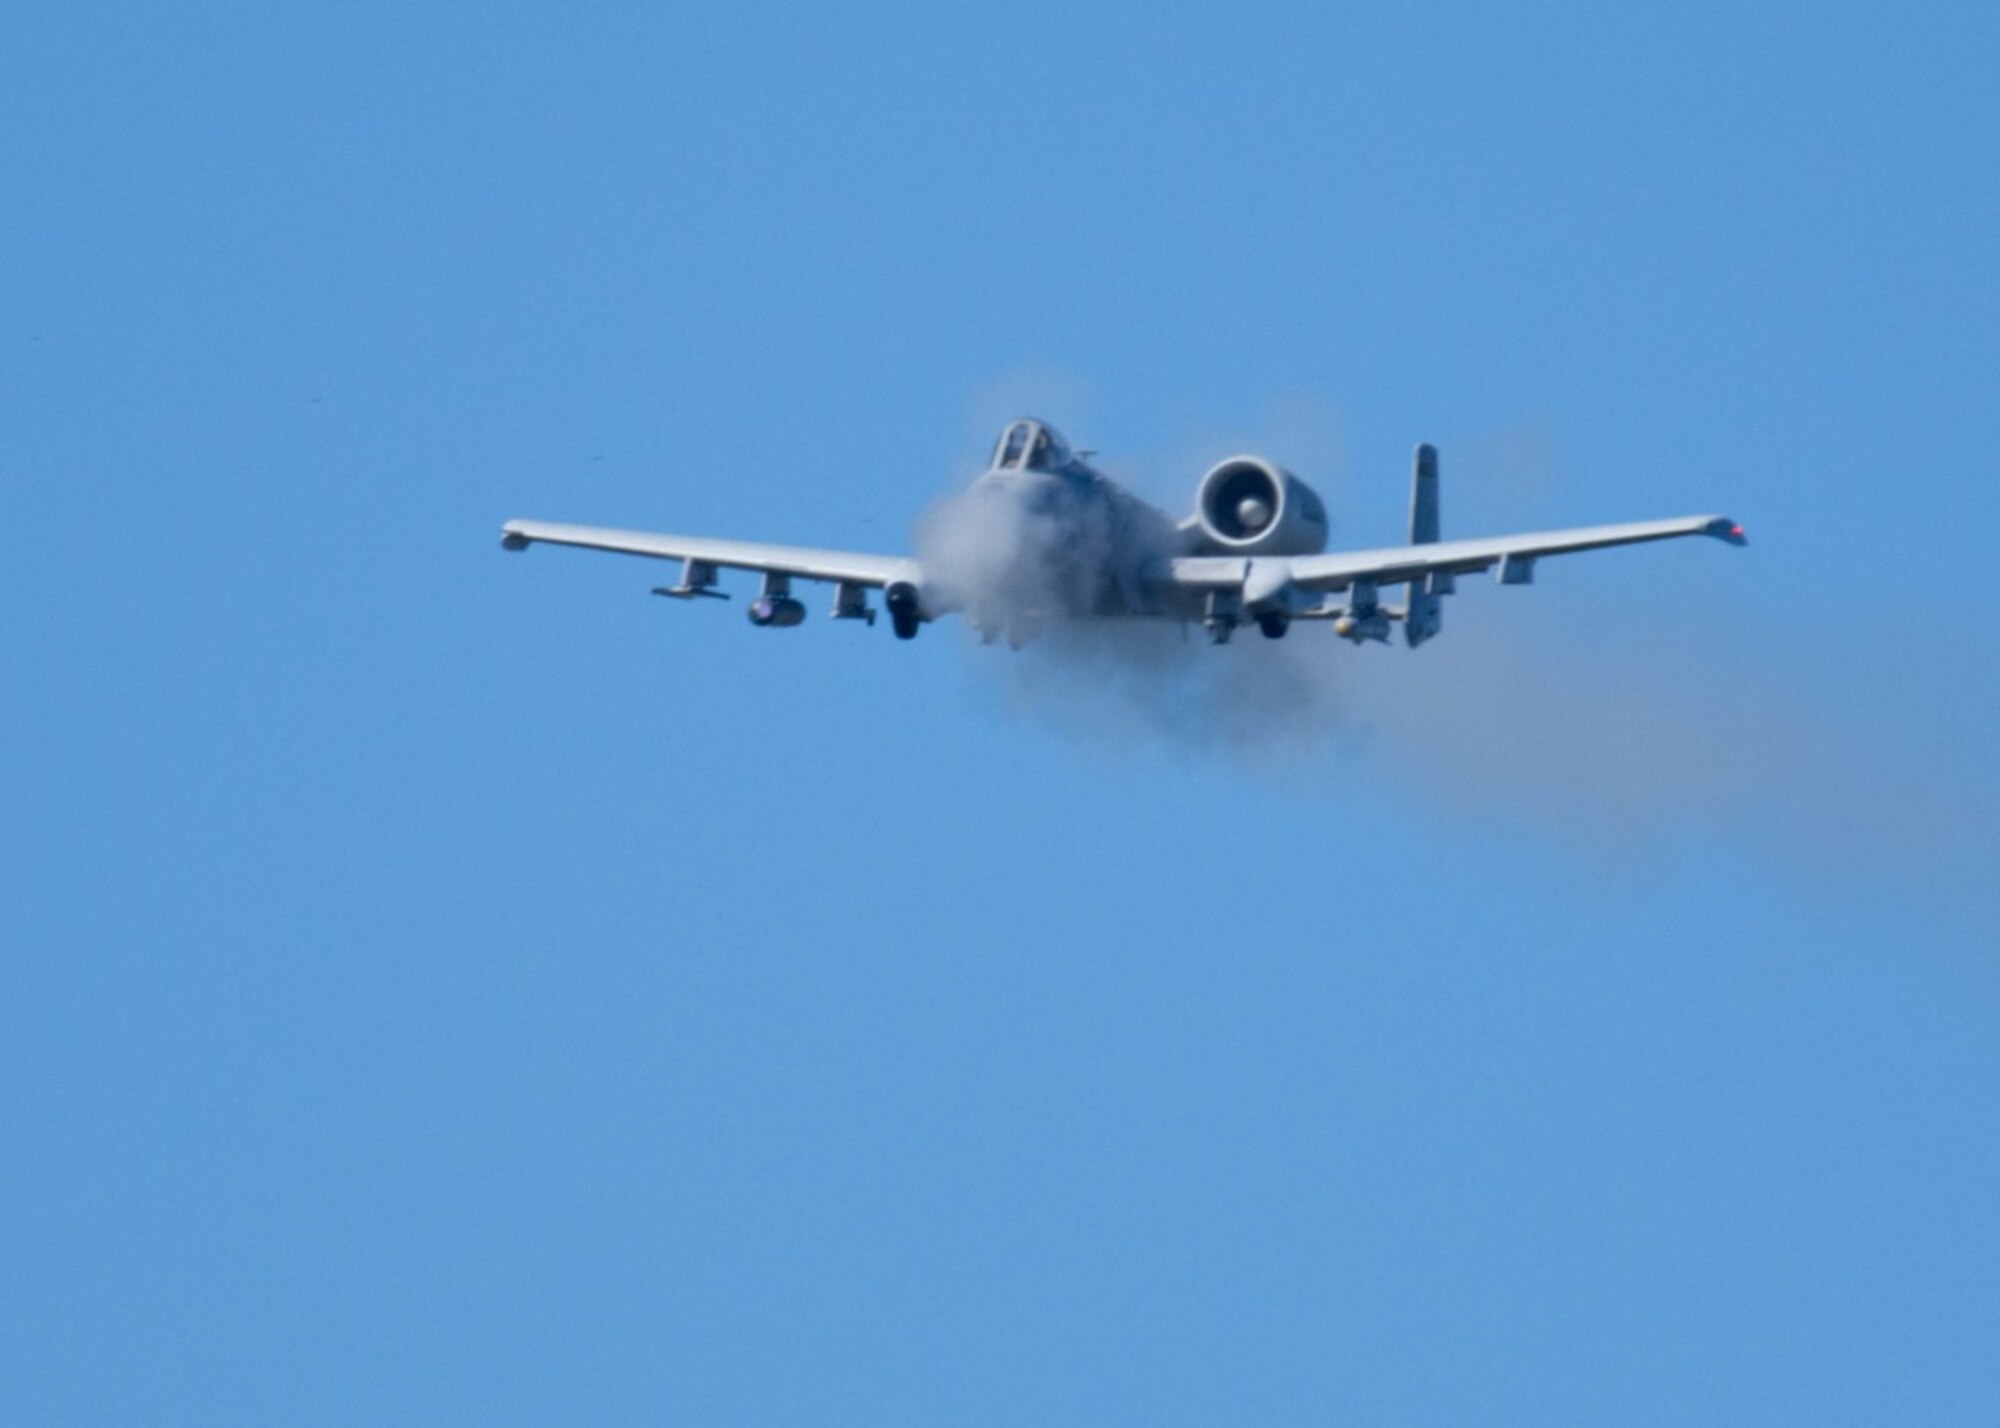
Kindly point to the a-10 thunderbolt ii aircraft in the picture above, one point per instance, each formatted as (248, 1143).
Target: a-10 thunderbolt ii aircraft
(1042, 536)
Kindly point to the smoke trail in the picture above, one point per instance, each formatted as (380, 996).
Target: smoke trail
(1608, 723)
(1616, 732)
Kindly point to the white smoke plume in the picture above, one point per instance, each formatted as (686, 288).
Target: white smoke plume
(1608, 721)
(1620, 733)
(1016, 566)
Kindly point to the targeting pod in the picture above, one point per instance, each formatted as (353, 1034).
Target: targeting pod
(1364, 618)
(1357, 628)
(775, 608)
(779, 612)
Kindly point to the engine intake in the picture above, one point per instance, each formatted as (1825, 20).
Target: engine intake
(1247, 504)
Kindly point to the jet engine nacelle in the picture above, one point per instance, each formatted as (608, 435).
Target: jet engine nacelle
(1248, 505)
(776, 611)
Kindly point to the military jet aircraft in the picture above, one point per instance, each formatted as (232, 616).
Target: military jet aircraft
(1042, 536)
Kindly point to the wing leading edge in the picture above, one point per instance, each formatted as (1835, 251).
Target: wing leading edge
(844, 566)
(1395, 565)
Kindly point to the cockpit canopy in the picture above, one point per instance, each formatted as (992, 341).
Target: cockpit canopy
(1031, 446)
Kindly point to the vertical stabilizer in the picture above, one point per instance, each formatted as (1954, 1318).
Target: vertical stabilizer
(1425, 614)
(1424, 497)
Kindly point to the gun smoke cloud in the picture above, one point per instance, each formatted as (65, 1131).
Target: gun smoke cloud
(1602, 724)
(1619, 734)
(1581, 709)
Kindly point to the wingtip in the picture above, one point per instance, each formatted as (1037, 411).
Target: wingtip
(1725, 529)
(511, 538)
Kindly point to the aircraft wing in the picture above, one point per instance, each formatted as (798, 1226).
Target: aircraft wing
(1395, 565)
(847, 567)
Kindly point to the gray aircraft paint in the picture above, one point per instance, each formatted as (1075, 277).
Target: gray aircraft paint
(1041, 536)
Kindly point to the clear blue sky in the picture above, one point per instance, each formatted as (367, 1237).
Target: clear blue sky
(443, 985)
